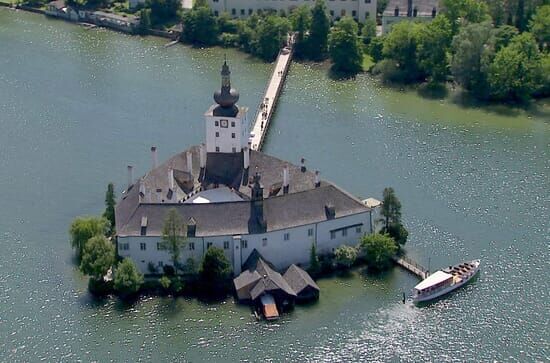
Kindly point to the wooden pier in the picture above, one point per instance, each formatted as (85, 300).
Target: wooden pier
(412, 266)
(271, 96)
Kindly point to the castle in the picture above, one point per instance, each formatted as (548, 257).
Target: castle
(237, 199)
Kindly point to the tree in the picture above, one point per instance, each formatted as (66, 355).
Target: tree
(317, 42)
(165, 282)
(345, 256)
(173, 235)
(314, 265)
(163, 11)
(344, 49)
(84, 228)
(215, 271)
(378, 250)
(515, 71)
(200, 26)
(503, 35)
(127, 279)
(434, 41)
(98, 257)
(539, 26)
(272, 34)
(368, 32)
(400, 45)
(300, 18)
(110, 202)
(472, 53)
(375, 48)
(144, 21)
(464, 11)
(391, 213)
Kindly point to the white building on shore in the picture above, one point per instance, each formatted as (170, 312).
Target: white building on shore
(237, 199)
(358, 9)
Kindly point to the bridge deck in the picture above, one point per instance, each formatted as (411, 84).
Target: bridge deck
(271, 96)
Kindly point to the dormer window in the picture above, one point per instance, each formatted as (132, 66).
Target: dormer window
(396, 11)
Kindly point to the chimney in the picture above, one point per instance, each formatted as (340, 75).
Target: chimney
(246, 157)
(189, 157)
(409, 8)
(285, 180)
(154, 156)
(317, 181)
(130, 176)
(303, 167)
(202, 155)
(171, 179)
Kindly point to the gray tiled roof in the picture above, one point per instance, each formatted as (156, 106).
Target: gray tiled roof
(271, 281)
(304, 203)
(298, 279)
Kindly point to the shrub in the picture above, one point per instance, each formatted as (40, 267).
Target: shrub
(215, 271)
(84, 228)
(98, 257)
(314, 265)
(165, 282)
(128, 279)
(378, 250)
(345, 256)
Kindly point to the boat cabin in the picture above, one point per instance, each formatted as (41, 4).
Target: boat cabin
(433, 283)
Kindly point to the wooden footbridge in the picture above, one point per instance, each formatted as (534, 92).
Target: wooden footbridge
(271, 96)
(412, 266)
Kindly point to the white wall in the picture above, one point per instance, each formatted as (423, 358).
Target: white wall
(224, 141)
(278, 251)
(242, 7)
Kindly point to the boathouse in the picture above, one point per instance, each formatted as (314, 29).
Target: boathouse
(237, 199)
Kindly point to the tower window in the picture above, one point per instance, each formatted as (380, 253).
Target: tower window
(234, 149)
(232, 123)
(217, 149)
(232, 135)
(217, 134)
(216, 123)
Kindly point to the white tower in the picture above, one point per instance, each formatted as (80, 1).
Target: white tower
(227, 129)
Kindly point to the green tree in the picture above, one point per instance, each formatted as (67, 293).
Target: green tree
(515, 71)
(84, 228)
(503, 35)
(472, 54)
(464, 11)
(375, 48)
(163, 11)
(434, 41)
(165, 282)
(391, 208)
(200, 26)
(314, 265)
(144, 21)
(127, 278)
(368, 32)
(226, 24)
(190, 267)
(539, 26)
(98, 257)
(300, 18)
(544, 81)
(110, 202)
(272, 34)
(345, 256)
(174, 235)
(317, 43)
(215, 271)
(378, 250)
(400, 46)
(344, 48)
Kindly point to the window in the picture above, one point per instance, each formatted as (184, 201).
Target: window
(264, 242)
(143, 246)
(357, 230)
(367, 15)
(286, 236)
(354, 13)
(208, 245)
(367, 1)
(216, 123)
(332, 234)
(232, 123)
(233, 11)
(161, 246)
(191, 246)
(225, 245)
(217, 134)
(216, 11)
(217, 149)
(234, 149)
(161, 264)
(343, 12)
(332, 13)
(244, 243)
(124, 246)
(232, 135)
(415, 12)
(344, 232)
(310, 232)
(249, 11)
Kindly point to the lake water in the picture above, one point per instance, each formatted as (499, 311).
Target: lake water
(76, 106)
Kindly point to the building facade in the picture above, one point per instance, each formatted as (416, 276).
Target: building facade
(237, 199)
(408, 10)
(358, 9)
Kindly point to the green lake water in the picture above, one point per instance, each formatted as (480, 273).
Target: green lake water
(77, 106)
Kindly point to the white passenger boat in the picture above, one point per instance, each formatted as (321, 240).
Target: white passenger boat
(444, 281)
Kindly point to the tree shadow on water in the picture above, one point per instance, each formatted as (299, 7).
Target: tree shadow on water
(433, 91)
(336, 75)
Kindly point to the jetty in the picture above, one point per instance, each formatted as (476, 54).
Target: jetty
(412, 266)
(274, 88)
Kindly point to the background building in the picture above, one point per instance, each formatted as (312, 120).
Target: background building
(409, 10)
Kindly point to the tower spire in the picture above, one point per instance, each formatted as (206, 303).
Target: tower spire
(226, 97)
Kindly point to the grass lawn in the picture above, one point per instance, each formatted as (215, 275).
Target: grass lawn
(368, 63)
